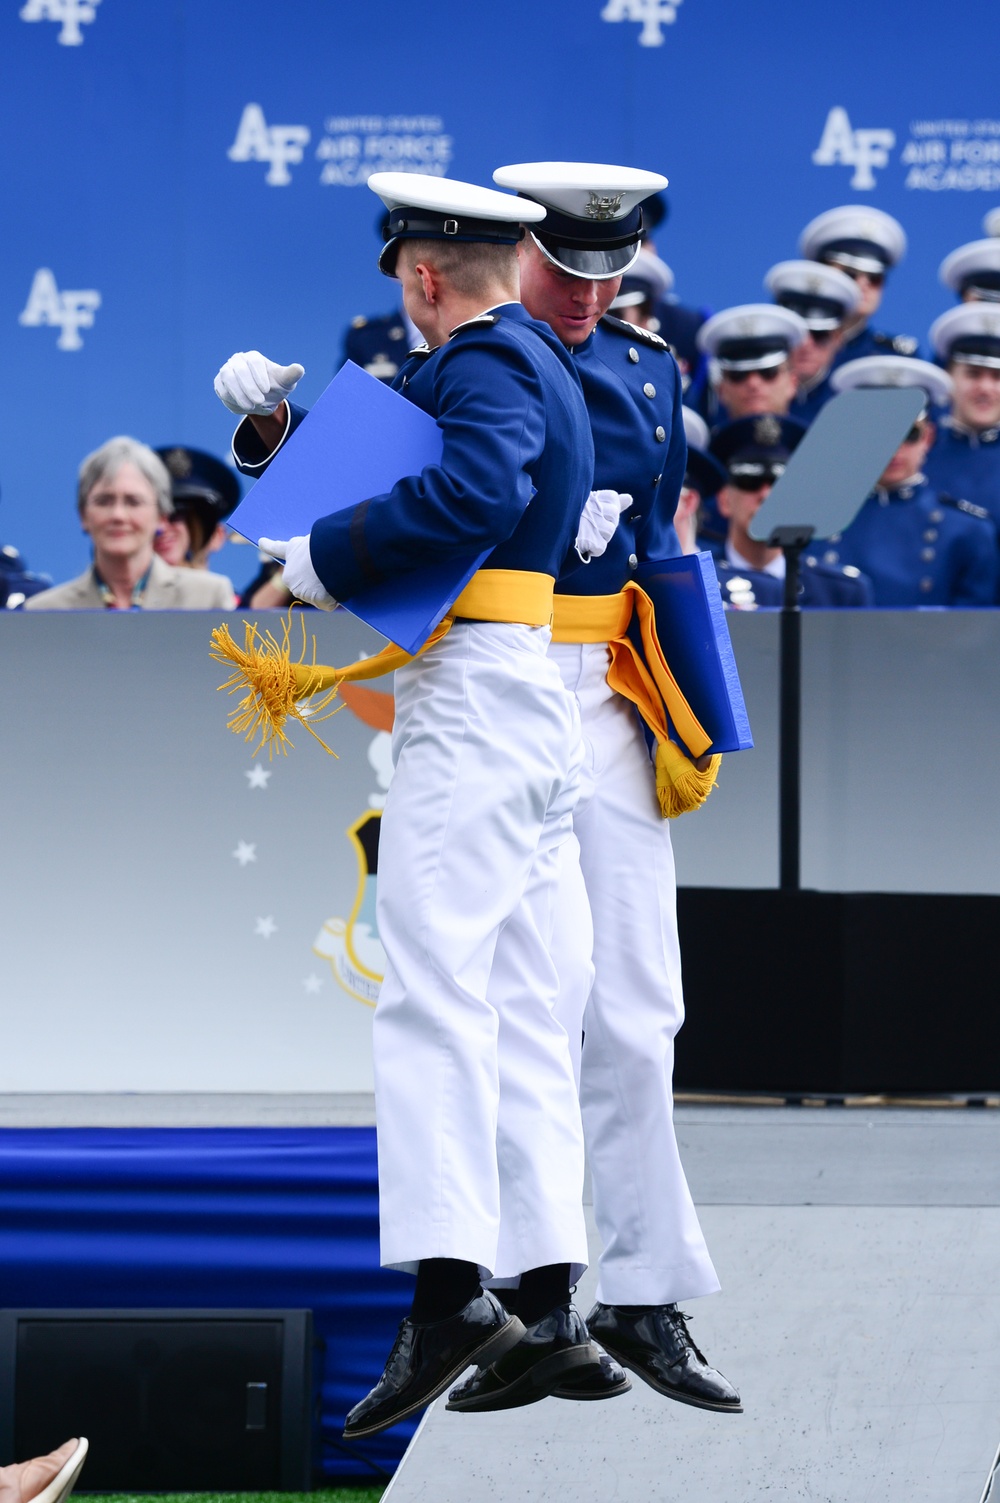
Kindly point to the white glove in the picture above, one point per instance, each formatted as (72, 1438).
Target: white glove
(598, 522)
(249, 382)
(298, 575)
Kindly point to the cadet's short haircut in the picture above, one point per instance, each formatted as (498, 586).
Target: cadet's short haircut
(106, 461)
(470, 266)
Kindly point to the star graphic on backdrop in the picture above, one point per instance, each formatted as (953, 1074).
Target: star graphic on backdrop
(265, 927)
(312, 984)
(257, 776)
(245, 852)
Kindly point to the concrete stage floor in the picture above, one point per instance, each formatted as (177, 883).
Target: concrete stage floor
(858, 1252)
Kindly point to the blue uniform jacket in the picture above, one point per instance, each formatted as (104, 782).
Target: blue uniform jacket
(508, 401)
(919, 547)
(821, 587)
(379, 345)
(869, 341)
(632, 389)
(967, 465)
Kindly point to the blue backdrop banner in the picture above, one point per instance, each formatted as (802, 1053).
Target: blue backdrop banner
(221, 1218)
(183, 180)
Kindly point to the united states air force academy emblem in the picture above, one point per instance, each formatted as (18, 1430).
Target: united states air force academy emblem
(352, 945)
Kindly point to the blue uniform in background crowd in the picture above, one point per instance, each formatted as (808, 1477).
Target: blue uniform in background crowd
(917, 544)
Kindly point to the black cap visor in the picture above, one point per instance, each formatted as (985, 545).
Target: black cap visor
(424, 224)
(582, 259)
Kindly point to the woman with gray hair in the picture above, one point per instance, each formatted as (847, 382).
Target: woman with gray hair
(123, 495)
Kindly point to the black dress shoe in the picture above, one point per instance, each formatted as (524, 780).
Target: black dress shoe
(656, 1345)
(604, 1382)
(549, 1349)
(426, 1358)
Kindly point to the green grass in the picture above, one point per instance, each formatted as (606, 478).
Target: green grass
(320, 1495)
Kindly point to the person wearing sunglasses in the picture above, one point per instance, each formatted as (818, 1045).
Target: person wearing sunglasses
(919, 545)
(753, 453)
(825, 299)
(965, 459)
(750, 349)
(864, 243)
(972, 272)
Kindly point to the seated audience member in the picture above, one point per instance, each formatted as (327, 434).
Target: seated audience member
(965, 459)
(865, 244)
(972, 272)
(750, 349)
(703, 476)
(17, 582)
(754, 452)
(917, 544)
(825, 299)
(123, 497)
(204, 491)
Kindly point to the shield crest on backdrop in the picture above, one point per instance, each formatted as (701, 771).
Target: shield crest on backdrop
(352, 946)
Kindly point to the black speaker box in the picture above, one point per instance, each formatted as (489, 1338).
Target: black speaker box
(839, 992)
(170, 1400)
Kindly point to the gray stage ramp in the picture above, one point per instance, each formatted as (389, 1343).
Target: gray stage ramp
(859, 1257)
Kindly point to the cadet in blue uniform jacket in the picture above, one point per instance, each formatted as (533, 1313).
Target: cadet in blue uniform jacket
(965, 459)
(626, 1009)
(917, 544)
(480, 1144)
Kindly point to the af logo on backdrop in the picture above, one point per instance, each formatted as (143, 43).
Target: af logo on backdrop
(71, 15)
(278, 145)
(863, 149)
(69, 312)
(652, 15)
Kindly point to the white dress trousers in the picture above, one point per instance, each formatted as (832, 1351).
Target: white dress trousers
(654, 1252)
(480, 1141)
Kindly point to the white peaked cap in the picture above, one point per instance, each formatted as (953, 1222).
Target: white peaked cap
(573, 187)
(857, 222)
(811, 284)
(991, 223)
(695, 429)
(894, 370)
(978, 255)
(751, 336)
(969, 334)
(446, 195)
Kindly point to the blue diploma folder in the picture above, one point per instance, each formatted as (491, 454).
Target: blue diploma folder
(692, 630)
(358, 440)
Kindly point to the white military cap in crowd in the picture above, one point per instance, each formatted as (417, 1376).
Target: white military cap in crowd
(894, 370)
(695, 428)
(968, 335)
(422, 207)
(594, 221)
(647, 280)
(991, 223)
(819, 294)
(975, 269)
(751, 337)
(855, 236)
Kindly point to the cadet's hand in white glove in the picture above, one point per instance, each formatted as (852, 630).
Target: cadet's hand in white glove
(298, 575)
(598, 522)
(250, 383)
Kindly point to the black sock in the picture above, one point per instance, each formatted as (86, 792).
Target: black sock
(540, 1290)
(444, 1286)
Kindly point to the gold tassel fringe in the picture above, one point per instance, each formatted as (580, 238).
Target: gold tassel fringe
(274, 686)
(680, 787)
